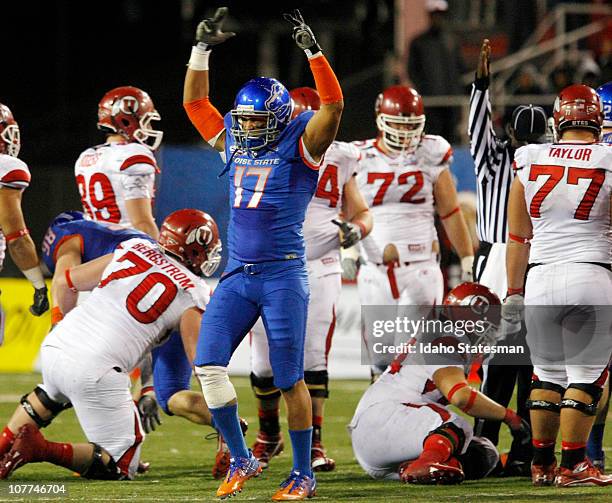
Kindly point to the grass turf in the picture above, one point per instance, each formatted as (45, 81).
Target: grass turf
(181, 461)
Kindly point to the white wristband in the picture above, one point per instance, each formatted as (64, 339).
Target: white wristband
(35, 276)
(199, 58)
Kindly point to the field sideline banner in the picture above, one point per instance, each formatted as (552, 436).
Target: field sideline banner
(23, 333)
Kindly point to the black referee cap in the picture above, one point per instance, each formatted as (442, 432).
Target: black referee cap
(529, 123)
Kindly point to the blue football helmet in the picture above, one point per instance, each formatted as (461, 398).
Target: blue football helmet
(260, 98)
(605, 93)
(67, 216)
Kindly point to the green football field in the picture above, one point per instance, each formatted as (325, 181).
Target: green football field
(181, 460)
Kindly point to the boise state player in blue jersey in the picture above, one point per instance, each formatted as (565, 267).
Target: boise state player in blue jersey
(71, 240)
(272, 163)
(605, 93)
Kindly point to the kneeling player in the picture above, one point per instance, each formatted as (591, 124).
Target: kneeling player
(71, 240)
(144, 290)
(403, 429)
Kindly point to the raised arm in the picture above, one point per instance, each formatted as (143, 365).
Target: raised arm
(322, 127)
(480, 126)
(203, 115)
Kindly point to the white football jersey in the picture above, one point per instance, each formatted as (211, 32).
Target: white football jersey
(567, 191)
(14, 174)
(410, 384)
(399, 191)
(142, 294)
(339, 165)
(110, 174)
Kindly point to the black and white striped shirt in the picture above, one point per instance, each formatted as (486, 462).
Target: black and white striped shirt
(493, 163)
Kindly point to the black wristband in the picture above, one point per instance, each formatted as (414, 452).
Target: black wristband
(482, 83)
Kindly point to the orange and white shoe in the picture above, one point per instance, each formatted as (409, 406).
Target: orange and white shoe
(583, 474)
(297, 487)
(266, 447)
(222, 458)
(544, 475)
(319, 460)
(29, 447)
(426, 472)
(240, 470)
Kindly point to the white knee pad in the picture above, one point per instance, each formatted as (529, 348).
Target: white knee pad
(216, 386)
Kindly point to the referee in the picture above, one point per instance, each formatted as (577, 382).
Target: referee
(493, 164)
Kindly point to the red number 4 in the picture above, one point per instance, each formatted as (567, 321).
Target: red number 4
(144, 287)
(574, 175)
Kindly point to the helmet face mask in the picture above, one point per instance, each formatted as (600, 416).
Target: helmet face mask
(192, 238)
(129, 111)
(400, 118)
(263, 99)
(10, 136)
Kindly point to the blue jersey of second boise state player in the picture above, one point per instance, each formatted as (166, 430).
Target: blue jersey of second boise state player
(97, 239)
(269, 194)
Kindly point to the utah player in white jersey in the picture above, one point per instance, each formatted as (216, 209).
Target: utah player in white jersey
(336, 193)
(116, 180)
(405, 178)
(14, 179)
(403, 429)
(559, 224)
(143, 290)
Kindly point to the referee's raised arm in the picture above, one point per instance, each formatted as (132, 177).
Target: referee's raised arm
(492, 160)
(480, 126)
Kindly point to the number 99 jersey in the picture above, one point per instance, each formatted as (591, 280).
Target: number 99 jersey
(567, 191)
(110, 174)
(142, 294)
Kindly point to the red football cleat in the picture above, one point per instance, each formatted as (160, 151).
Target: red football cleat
(583, 474)
(266, 447)
(319, 460)
(544, 475)
(426, 472)
(29, 447)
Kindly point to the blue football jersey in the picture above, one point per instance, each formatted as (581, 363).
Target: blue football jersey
(269, 193)
(97, 239)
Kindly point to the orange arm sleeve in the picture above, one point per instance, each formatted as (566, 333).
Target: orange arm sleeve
(205, 117)
(325, 80)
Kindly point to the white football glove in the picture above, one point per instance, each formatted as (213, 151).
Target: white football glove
(467, 264)
(513, 308)
(350, 233)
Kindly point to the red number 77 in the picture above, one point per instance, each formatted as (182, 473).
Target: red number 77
(574, 175)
